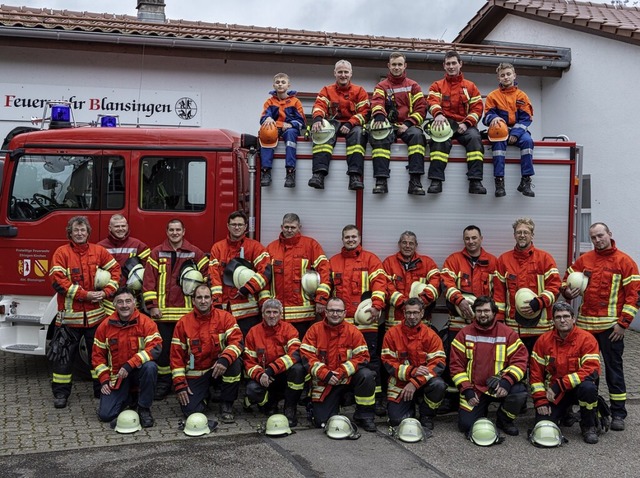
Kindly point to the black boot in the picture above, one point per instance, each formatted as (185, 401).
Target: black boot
(355, 182)
(381, 186)
(317, 181)
(265, 179)
(525, 187)
(226, 412)
(506, 424)
(291, 412)
(146, 419)
(500, 191)
(415, 186)
(290, 178)
(476, 187)
(435, 187)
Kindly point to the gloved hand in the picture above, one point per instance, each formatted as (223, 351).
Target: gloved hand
(504, 383)
(244, 292)
(469, 394)
(535, 304)
(493, 382)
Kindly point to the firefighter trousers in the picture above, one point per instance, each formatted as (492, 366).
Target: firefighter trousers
(472, 143)
(141, 380)
(287, 385)
(585, 395)
(164, 366)
(427, 397)
(499, 149)
(510, 406)
(229, 385)
(612, 354)
(413, 137)
(290, 138)
(62, 373)
(356, 140)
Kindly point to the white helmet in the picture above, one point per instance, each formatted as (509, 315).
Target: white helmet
(339, 427)
(102, 279)
(362, 315)
(241, 276)
(484, 433)
(380, 133)
(197, 424)
(277, 426)
(523, 297)
(229, 276)
(128, 421)
(410, 430)
(310, 281)
(578, 280)
(417, 288)
(546, 434)
(325, 134)
(190, 278)
(135, 278)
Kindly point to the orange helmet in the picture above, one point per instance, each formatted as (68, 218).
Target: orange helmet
(268, 135)
(498, 132)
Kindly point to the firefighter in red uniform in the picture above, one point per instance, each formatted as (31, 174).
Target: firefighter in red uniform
(123, 247)
(535, 269)
(488, 363)
(400, 101)
(73, 271)
(162, 292)
(206, 348)
(608, 307)
(563, 370)
(414, 357)
(356, 272)
(336, 355)
(272, 363)
(292, 254)
(125, 348)
(242, 302)
(456, 101)
(346, 106)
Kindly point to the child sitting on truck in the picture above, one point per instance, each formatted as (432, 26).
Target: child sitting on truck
(282, 116)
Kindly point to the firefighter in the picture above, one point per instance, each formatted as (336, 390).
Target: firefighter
(414, 357)
(488, 363)
(283, 111)
(123, 248)
(511, 106)
(272, 363)
(564, 370)
(608, 307)
(346, 106)
(525, 266)
(335, 353)
(356, 274)
(243, 301)
(164, 296)
(125, 349)
(455, 103)
(205, 349)
(398, 104)
(73, 272)
(292, 255)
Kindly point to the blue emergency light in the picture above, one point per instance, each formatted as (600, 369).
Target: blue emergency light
(108, 122)
(60, 116)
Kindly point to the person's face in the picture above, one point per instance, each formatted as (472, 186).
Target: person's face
(484, 315)
(452, 66)
(281, 85)
(506, 77)
(343, 75)
(334, 312)
(237, 227)
(408, 246)
(472, 242)
(271, 316)
(397, 66)
(79, 233)
(350, 239)
(412, 315)
(118, 228)
(175, 233)
(523, 236)
(290, 229)
(600, 238)
(125, 306)
(563, 322)
(202, 300)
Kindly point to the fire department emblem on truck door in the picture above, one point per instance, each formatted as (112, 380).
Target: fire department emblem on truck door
(186, 108)
(24, 267)
(41, 267)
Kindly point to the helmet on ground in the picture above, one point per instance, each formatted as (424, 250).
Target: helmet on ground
(380, 133)
(362, 315)
(417, 288)
(102, 279)
(327, 131)
(578, 280)
(339, 427)
(440, 133)
(128, 422)
(410, 430)
(135, 277)
(310, 281)
(229, 276)
(546, 434)
(196, 425)
(455, 309)
(523, 297)
(484, 433)
(190, 278)
(268, 135)
(498, 132)
(277, 426)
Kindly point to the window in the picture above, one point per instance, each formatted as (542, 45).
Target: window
(173, 184)
(585, 215)
(116, 178)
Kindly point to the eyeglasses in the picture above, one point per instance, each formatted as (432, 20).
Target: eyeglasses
(237, 225)
(560, 318)
(483, 312)
(334, 311)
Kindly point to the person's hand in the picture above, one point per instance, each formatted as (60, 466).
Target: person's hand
(316, 127)
(269, 120)
(183, 396)
(402, 128)
(377, 125)
(265, 380)
(462, 127)
(570, 293)
(122, 373)
(617, 334)
(407, 392)
(501, 392)
(320, 308)
(495, 121)
(218, 370)
(439, 120)
(551, 395)
(421, 370)
(334, 380)
(512, 139)
(286, 126)
(95, 296)
(155, 313)
(543, 410)
(344, 129)
(105, 389)
(375, 314)
(467, 311)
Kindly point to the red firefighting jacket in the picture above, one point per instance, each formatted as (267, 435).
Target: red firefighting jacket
(534, 269)
(407, 96)
(478, 353)
(271, 350)
(613, 290)
(404, 349)
(462, 274)
(513, 106)
(458, 99)
(290, 259)
(288, 110)
(401, 275)
(352, 274)
(346, 104)
(124, 344)
(329, 350)
(201, 340)
(565, 363)
(72, 274)
(221, 254)
(161, 286)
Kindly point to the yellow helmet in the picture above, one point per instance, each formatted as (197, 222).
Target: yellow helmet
(441, 133)
(484, 433)
(546, 434)
(380, 133)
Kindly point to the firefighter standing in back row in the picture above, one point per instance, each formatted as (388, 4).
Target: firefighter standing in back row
(74, 267)
(169, 264)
